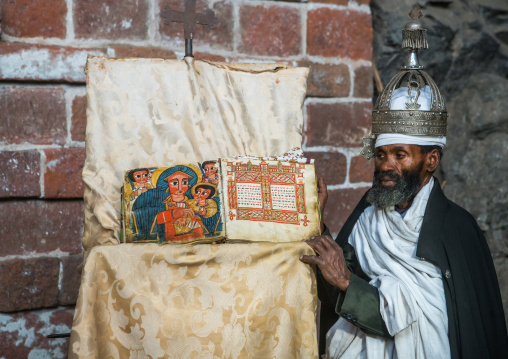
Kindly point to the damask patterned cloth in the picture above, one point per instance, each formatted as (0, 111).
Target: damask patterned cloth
(254, 300)
(199, 301)
(155, 113)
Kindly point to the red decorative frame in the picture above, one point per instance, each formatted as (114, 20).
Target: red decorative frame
(266, 175)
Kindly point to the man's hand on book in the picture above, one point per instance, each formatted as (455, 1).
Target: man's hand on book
(330, 260)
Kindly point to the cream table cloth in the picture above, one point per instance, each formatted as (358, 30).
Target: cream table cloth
(249, 300)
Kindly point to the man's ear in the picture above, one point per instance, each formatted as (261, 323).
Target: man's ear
(433, 159)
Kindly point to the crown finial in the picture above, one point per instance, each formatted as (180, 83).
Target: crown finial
(414, 37)
(416, 12)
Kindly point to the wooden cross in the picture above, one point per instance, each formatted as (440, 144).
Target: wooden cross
(190, 18)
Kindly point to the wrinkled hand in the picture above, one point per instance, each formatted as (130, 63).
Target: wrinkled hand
(330, 261)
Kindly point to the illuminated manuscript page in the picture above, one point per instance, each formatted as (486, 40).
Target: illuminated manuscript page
(269, 200)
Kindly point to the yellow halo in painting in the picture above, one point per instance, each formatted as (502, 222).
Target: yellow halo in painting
(156, 174)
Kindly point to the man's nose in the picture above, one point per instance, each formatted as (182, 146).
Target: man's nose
(387, 164)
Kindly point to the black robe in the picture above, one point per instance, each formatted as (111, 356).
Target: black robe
(451, 239)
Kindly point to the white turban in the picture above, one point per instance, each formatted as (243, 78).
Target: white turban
(399, 99)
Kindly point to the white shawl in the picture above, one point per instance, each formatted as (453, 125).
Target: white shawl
(412, 301)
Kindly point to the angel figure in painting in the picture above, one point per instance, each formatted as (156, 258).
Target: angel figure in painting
(211, 172)
(140, 182)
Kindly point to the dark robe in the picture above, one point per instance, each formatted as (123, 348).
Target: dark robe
(451, 239)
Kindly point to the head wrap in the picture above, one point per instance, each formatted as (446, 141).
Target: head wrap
(399, 99)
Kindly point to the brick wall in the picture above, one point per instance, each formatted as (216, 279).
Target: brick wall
(43, 50)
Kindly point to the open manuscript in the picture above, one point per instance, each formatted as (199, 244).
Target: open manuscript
(226, 199)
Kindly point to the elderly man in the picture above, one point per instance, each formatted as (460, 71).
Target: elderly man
(410, 274)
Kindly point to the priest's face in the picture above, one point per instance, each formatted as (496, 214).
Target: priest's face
(400, 173)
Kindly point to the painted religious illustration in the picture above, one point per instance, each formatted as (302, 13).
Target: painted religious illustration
(270, 200)
(233, 199)
(178, 204)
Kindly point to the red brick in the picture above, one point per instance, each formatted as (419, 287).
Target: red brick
(43, 63)
(270, 30)
(339, 33)
(34, 115)
(29, 283)
(23, 334)
(62, 177)
(41, 226)
(208, 57)
(361, 170)
(327, 80)
(338, 124)
(339, 206)
(332, 166)
(34, 18)
(220, 37)
(71, 279)
(20, 174)
(363, 82)
(78, 120)
(111, 19)
(144, 52)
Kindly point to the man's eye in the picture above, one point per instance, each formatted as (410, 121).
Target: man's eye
(184, 182)
(174, 183)
(137, 176)
(400, 155)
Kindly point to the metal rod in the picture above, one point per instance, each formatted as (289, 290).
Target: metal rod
(188, 48)
(60, 335)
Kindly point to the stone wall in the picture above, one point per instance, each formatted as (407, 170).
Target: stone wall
(43, 51)
(468, 59)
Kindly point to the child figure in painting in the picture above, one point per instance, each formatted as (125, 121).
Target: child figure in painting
(202, 203)
(211, 172)
(140, 177)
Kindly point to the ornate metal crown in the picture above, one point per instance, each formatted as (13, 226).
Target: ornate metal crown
(414, 83)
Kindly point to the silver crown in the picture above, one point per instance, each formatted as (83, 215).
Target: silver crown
(412, 120)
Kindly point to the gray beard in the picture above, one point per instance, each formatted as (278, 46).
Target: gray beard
(407, 186)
